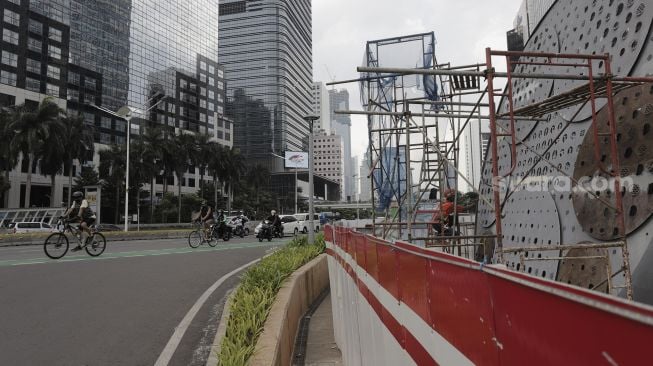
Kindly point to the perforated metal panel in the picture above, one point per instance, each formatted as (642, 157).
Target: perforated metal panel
(584, 26)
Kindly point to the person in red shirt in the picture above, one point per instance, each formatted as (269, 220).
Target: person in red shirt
(444, 213)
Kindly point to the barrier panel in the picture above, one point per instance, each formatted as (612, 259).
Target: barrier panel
(395, 303)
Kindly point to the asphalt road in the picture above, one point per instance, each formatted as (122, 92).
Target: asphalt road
(117, 309)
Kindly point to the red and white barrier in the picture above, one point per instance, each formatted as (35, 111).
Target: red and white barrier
(398, 304)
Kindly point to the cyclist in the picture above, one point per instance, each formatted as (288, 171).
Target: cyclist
(206, 216)
(82, 213)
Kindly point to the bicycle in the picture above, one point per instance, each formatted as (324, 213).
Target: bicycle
(56, 245)
(197, 237)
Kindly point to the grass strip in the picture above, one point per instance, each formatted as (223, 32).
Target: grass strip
(253, 300)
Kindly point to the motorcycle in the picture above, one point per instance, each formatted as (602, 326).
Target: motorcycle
(265, 232)
(222, 230)
(278, 231)
(238, 227)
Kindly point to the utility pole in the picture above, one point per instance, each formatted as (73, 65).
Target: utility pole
(311, 210)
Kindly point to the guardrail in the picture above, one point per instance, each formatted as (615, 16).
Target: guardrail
(396, 303)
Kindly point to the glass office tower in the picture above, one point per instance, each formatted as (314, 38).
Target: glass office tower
(266, 49)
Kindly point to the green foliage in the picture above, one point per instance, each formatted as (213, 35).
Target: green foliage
(252, 301)
(87, 177)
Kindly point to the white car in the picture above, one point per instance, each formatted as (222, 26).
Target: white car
(30, 227)
(290, 225)
(304, 222)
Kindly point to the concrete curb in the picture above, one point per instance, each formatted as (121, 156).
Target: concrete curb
(275, 345)
(222, 329)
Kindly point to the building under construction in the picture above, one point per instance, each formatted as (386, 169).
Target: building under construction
(566, 187)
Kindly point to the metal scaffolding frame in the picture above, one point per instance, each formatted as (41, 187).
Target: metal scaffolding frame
(404, 126)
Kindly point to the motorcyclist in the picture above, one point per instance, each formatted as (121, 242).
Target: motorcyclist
(275, 221)
(220, 221)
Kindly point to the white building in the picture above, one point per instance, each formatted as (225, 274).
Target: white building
(328, 157)
(363, 180)
(321, 107)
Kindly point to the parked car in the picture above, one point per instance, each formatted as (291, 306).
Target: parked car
(30, 227)
(304, 222)
(289, 223)
(111, 227)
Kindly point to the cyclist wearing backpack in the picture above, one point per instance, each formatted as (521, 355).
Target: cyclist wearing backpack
(81, 212)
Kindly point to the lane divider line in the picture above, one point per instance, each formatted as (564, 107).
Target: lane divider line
(180, 330)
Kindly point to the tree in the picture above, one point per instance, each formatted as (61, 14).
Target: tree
(87, 177)
(112, 170)
(77, 137)
(8, 155)
(202, 156)
(31, 128)
(235, 168)
(153, 140)
(180, 148)
(52, 154)
(217, 167)
(258, 176)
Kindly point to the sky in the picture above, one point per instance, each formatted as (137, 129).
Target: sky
(341, 28)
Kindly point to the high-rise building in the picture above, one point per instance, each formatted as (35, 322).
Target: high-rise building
(87, 53)
(341, 125)
(365, 180)
(328, 157)
(266, 48)
(321, 107)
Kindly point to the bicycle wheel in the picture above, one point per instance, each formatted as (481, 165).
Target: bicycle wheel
(97, 245)
(56, 245)
(195, 239)
(212, 241)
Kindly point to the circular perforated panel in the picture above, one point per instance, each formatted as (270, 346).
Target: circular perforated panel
(531, 218)
(485, 215)
(585, 272)
(634, 116)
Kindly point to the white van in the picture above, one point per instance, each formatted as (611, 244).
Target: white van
(30, 227)
(304, 222)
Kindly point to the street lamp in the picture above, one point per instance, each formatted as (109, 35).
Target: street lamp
(311, 212)
(296, 185)
(356, 197)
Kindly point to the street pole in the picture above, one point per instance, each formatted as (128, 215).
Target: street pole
(311, 210)
(129, 126)
(296, 189)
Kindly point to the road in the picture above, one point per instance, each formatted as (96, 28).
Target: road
(118, 309)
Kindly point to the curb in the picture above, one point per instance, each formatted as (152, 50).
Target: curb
(275, 345)
(222, 329)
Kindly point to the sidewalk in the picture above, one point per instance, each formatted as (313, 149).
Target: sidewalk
(321, 348)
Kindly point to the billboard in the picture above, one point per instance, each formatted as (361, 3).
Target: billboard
(296, 159)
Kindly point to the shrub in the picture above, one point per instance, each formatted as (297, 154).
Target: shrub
(252, 301)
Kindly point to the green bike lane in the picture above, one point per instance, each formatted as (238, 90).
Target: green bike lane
(117, 309)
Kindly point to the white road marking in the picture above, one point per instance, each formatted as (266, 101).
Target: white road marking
(180, 330)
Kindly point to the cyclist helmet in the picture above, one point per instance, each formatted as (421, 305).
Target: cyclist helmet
(78, 195)
(273, 212)
(204, 203)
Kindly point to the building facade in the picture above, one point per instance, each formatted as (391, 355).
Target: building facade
(530, 13)
(341, 125)
(321, 108)
(158, 57)
(365, 181)
(328, 157)
(266, 48)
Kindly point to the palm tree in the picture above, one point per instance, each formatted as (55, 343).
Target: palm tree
(78, 140)
(112, 170)
(202, 156)
(31, 128)
(235, 165)
(216, 167)
(153, 140)
(180, 146)
(258, 176)
(52, 154)
(8, 155)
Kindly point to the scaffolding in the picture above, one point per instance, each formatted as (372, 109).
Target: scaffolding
(414, 146)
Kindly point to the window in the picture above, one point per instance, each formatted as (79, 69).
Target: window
(202, 103)
(202, 117)
(33, 66)
(183, 83)
(171, 108)
(220, 109)
(227, 136)
(11, 17)
(73, 78)
(35, 26)
(73, 95)
(54, 52)
(33, 85)
(220, 85)
(10, 36)
(211, 81)
(211, 69)
(8, 78)
(89, 83)
(220, 136)
(220, 73)
(211, 94)
(89, 118)
(121, 126)
(211, 107)
(9, 58)
(203, 91)
(202, 65)
(120, 140)
(55, 34)
(54, 72)
(89, 98)
(105, 122)
(105, 138)
(34, 45)
(52, 90)
(203, 78)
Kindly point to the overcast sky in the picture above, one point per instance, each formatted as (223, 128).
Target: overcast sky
(463, 28)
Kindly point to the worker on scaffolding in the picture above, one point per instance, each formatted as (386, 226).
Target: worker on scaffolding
(445, 216)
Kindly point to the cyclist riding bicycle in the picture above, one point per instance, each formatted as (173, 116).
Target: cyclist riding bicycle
(82, 213)
(206, 216)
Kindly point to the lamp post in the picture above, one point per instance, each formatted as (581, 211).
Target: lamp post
(311, 211)
(356, 197)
